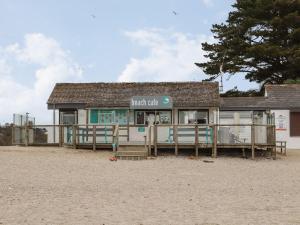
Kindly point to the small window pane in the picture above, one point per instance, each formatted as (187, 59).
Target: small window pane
(94, 116)
(121, 117)
(193, 117)
(163, 117)
(68, 119)
(140, 117)
(150, 117)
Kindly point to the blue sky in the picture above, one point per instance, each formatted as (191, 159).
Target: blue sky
(44, 42)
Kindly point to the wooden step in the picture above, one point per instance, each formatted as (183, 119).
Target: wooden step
(132, 148)
(132, 153)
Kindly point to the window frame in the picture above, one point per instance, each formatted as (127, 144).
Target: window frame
(155, 113)
(101, 111)
(190, 110)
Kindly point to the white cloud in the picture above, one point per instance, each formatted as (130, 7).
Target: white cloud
(208, 3)
(171, 56)
(53, 63)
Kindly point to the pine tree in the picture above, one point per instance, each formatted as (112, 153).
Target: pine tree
(261, 38)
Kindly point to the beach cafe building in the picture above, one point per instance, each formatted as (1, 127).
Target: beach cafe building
(165, 114)
(134, 107)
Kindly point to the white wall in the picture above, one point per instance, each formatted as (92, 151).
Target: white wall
(282, 121)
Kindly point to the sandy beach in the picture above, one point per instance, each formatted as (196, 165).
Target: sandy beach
(66, 186)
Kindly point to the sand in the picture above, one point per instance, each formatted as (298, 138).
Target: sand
(65, 186)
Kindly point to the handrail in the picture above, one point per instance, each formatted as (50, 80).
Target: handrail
(137, 125)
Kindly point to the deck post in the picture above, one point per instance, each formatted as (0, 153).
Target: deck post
(145, 142)
(26, 131)
(94, 138)
(196, 140)
(127, 125)
(155, 139)
(175, 133)
(62, 135)
(74, 136)
(150, 140)
(214, 147)
(274, 141)
(252, 142)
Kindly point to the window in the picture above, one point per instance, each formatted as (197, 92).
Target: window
(140, 117)
(294, 124)
(151, 117)
(108, 116)
(68, 118)
(163, 117)
(121, 116)
(94, 116)
(193, 117)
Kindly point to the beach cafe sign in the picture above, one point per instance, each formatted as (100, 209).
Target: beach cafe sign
(151, 102)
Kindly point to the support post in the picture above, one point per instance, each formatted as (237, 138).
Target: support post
(77, 130)
(127, 125)
(252, 142)
(155, 139)
(274, 141)
(87, 122)
(150, 140)
(214, 147)
(62, 135)
(175, 133)
(94, 137)
(196, 140)
(74, 136)
(60, 130)
(145, 142)
(54, 122)
(26, 131)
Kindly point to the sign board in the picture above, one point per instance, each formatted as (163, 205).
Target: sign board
(151, 102)
(281, 123)
(141, 129)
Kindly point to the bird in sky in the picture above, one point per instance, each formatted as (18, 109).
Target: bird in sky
(93, 16)
(175, 13)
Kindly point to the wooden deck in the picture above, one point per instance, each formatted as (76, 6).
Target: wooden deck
(177, 137)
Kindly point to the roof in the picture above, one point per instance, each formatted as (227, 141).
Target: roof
(184, 94)
(283, 96)
(243, 103)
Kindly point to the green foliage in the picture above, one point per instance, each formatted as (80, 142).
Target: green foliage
(292, 81)
(261, 38)
(236, 93)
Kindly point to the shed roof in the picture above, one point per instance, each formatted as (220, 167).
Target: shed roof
(243, 103)
(184, 94)
(283, 96)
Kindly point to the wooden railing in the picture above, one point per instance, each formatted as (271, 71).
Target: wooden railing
(212, 136)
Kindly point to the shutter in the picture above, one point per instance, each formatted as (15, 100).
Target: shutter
(94, 116)
(294, 124)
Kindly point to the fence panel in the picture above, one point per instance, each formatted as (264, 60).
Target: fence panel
(234, 134)
(6, 135)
